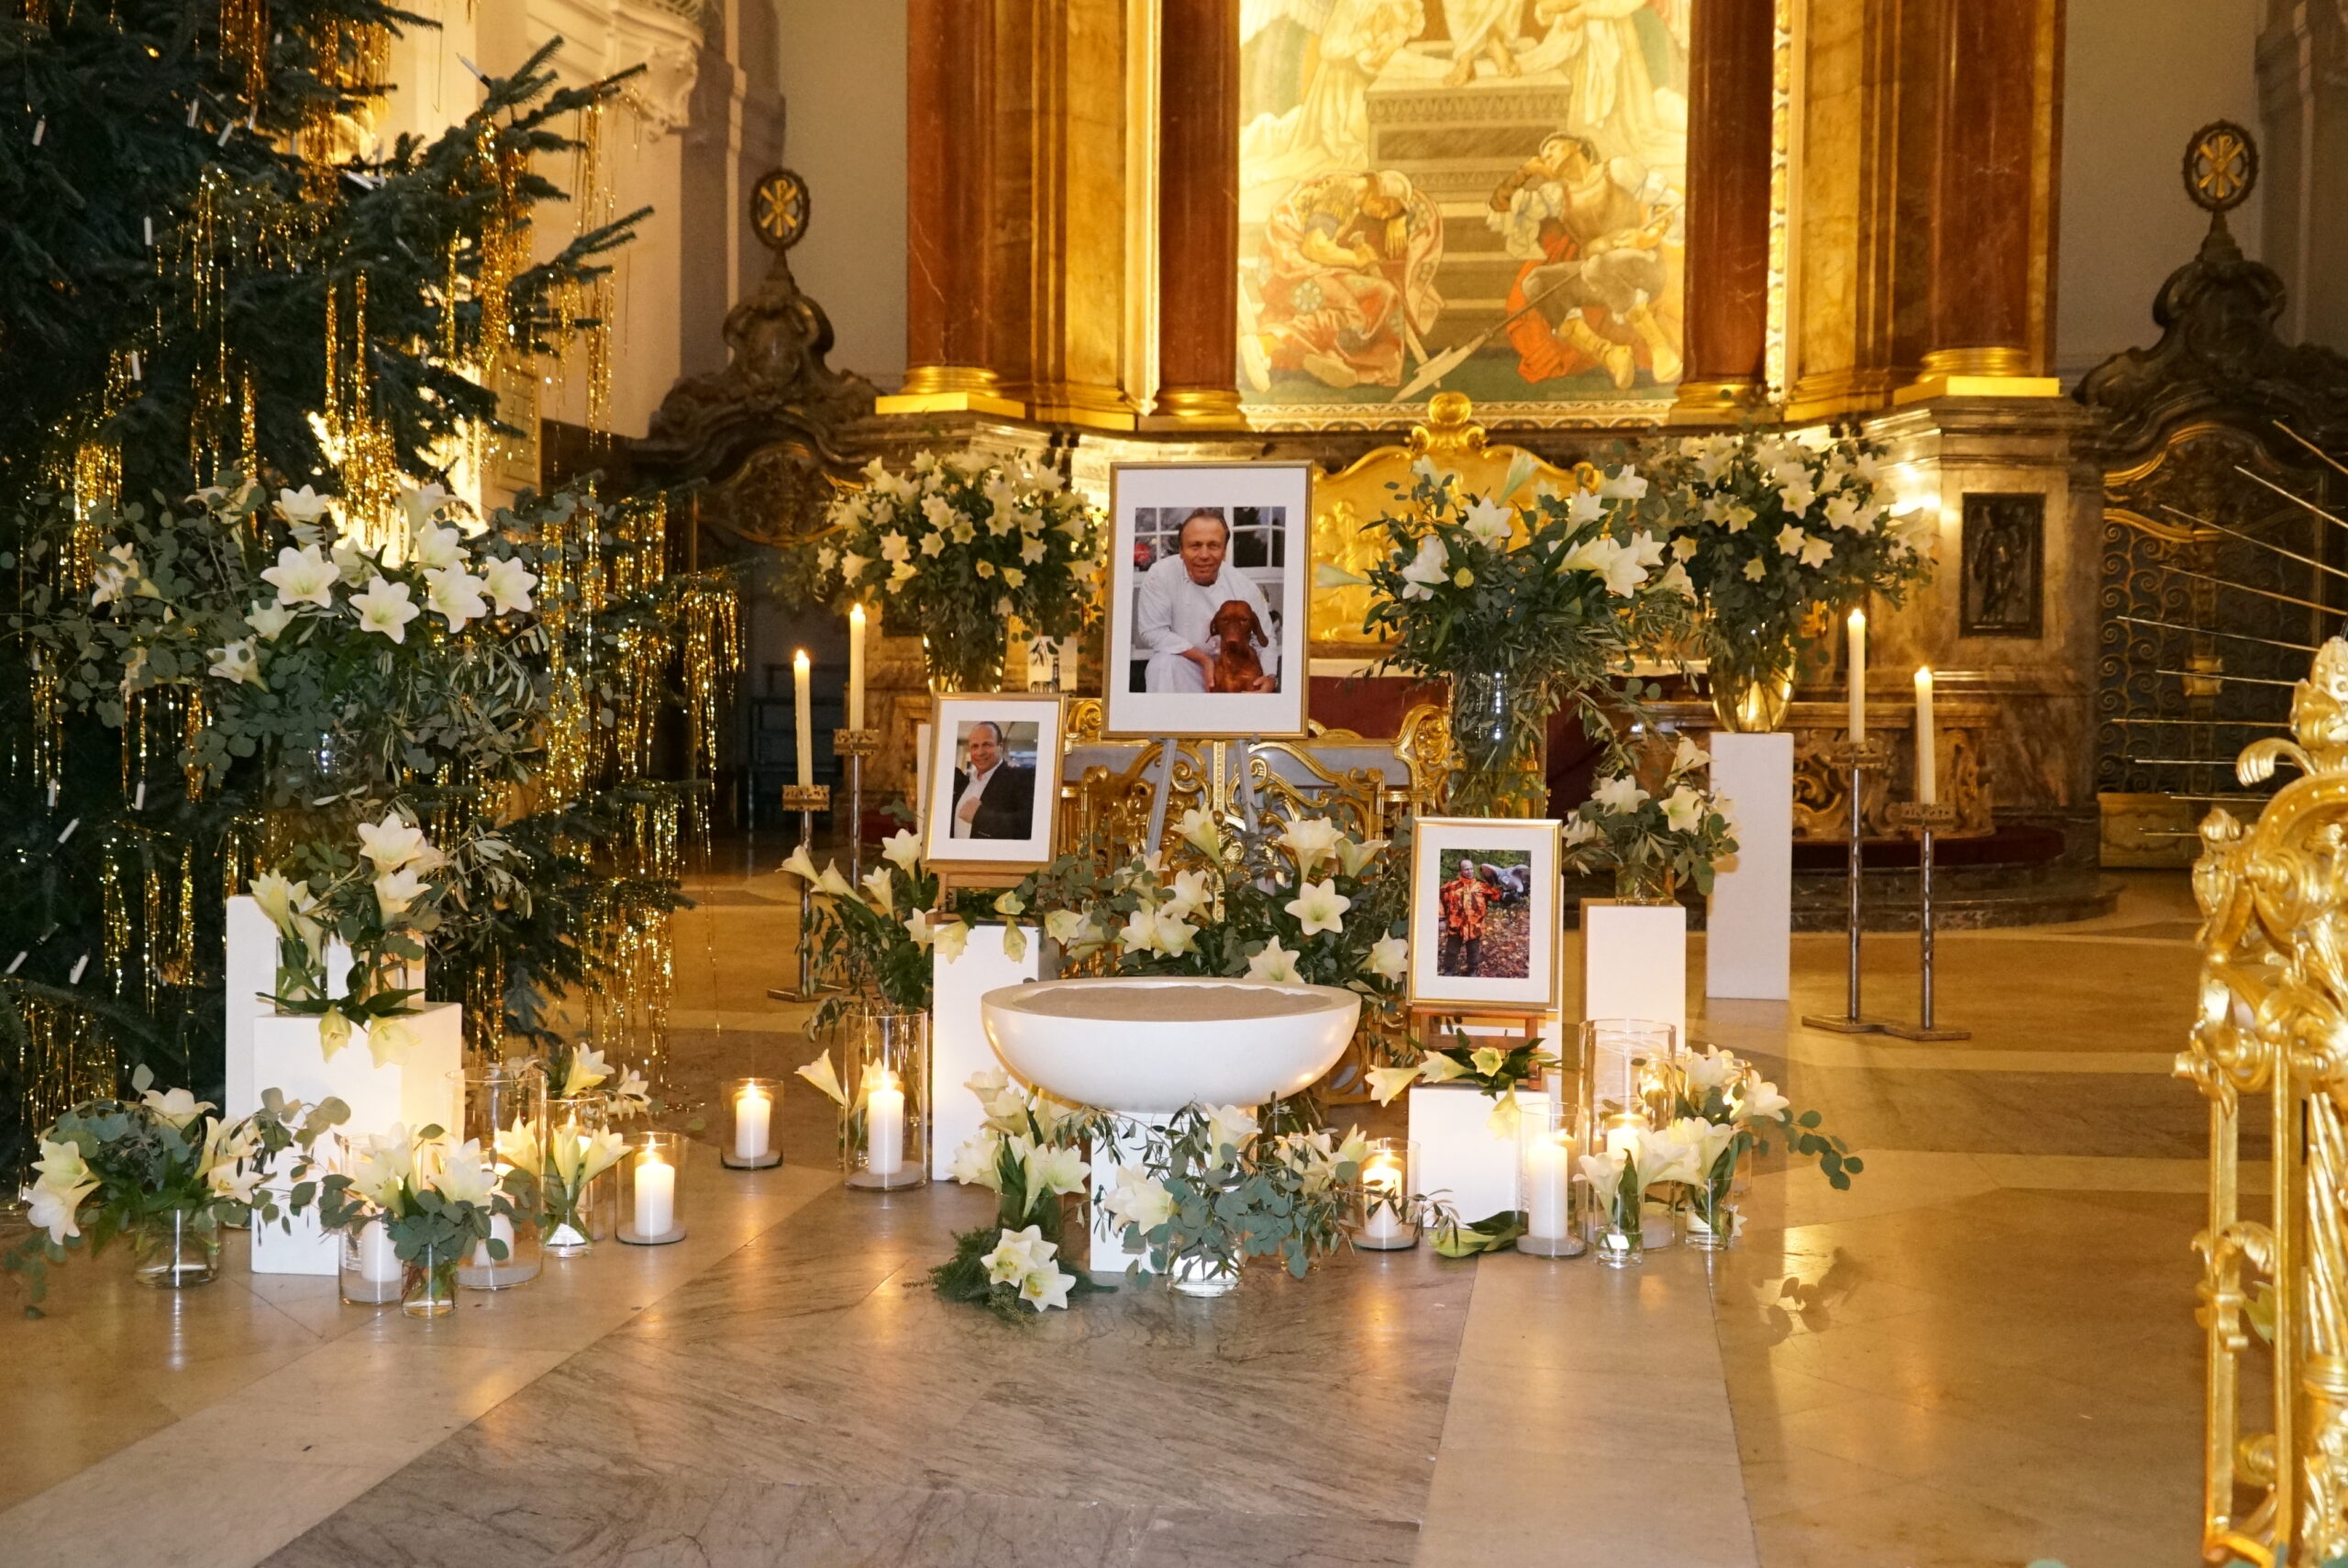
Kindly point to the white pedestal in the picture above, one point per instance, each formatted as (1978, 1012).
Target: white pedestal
(281, 1050)
(1748, 942)
(958, 1034)
(1635, 962)
(1109, 1254)
(1460, 1161)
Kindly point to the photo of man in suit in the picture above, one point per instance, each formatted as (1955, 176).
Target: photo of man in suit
(993, 798)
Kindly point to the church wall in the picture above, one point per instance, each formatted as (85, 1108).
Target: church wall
(2141, 77)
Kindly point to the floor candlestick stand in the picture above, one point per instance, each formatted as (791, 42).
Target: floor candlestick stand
(806, 800)
(1858, 760)
(852, 746)
(1926, 820)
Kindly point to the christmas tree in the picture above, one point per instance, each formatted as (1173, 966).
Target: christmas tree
(216, 293)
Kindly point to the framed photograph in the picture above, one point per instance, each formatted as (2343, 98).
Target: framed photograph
(1484, 912)
(994, 768)
(1210, 574)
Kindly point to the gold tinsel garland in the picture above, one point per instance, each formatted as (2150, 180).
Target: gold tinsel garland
(244, 41)
(356, 438)
(63, 1059)
(711, 654)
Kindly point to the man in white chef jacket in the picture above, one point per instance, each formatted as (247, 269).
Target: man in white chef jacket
(1180, 596)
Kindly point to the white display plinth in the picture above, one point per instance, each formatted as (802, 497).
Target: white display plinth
(1460, 1161)
(1635, 962)
(1748, 940)
(1109, 1256)
(958, 1034)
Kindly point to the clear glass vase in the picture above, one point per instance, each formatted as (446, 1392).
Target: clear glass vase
(959, 665)
(371, 1272)
(1198, 1274)
(1618, 1248)
(502, 1099)
(1499, 745)
(573, 1218)
(177, 1249)
(1646, 883)
(428, 1283)
(1751, 670)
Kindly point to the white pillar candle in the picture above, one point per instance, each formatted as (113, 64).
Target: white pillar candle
(884, 1113)
(1383, 1177)
(656, 1196)
(379, 1261)
(753, 1113)
(1545, 1170)
(1622, 1133)
(1928, 784)
(798, 673)
(856, 667)
(1858, 676)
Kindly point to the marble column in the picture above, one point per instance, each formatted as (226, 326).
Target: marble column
(949, 180)
(1991, 194)
(1198, 215)
(1732, 59)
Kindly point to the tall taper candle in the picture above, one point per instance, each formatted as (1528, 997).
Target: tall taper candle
(856, 667)
(1927, 748)
(1858, 676)
(806, 719)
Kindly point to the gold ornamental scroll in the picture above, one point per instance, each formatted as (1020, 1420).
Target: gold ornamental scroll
(2273, 1021)
(1347, 508)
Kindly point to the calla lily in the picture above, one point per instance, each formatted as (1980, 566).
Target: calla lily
(820, 1074)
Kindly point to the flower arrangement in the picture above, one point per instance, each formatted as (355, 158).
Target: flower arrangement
(1724, 1109)
(565, 1159)
(437, 1200)
(379, 906)
(1651, 841)
(1030, 1152)
(959, 546)
(1213, 1191)
(162, 1171)
(1769, 527)
(1497, 1070)
(1620, 1173)
(1523, 608)
(874, 942)
(576, 1070)
(1296, 902)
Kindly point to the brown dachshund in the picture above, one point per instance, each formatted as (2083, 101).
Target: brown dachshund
(1236, 631)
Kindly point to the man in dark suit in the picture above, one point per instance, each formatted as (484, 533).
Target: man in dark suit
(992, 799)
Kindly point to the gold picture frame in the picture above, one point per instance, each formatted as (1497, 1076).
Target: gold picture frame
(1541, 842)
(974, 859)
(1280, 715)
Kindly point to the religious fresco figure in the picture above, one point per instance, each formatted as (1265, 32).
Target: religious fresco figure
(1330, 129)
(1593, 237)
(1481, 30)
(1603, 48)
(1346, 282)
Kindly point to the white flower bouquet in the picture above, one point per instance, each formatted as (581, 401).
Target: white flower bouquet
(1213, 1191)
(567, 1159)
(1769, 527)
(437, 1200)
(162, 1171)
(959, 546)
(1723, 1109)
(1030, 1153)
(378, 905)
(1651, 840)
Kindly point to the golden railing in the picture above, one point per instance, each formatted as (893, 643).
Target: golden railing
(2273, 1020)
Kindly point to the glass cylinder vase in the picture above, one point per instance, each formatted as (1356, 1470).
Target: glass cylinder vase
(1645, 883)
(177, 1249)
(959, 665)
(750, 1142)
(371, 1272)
(1499, 745)
(1549, 1146)
(651, 1177)
(1631, 1062)
(885, 1123)
(1200, 1273)
(428, 1283)
(506, 1109)
(571, 1221)
(1388, 1177)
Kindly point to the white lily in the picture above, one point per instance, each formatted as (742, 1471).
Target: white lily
(1055, 1168)
(917, 926)
(268, 620)
(1046, 1286)
(1618, 795)
(56, 1210)
(903, 850)
(1311, 840)
(1200, 829)
(820, 1074)
(1139, 1199)
(1274, 963)
(1171, 934)
(464, 1176)
(1318, 906)
(1488, 1059)
(177, 1106)
(392, 842)
(1228, 1127)
(1710, 1068)
(1015, 1254)
(303, 505)
(508, 582)
(830, 881)
(302, 576)
(237, 662)
(384, 607)
(1761, 1101)
(952, 938)
(1488, 523)
(800, 865)
(436, 548)
(1387, 957)
(1684, 810)
(1386, 1083)
(381, 1165)
(389, 1040)
(974, 1161)
(62, 1166)
(1353, 855)
(881, 890)
(398, 891)
(1432, 565)
(454, 595)
(1626, 483)
(588, 1069)
(1505, 1118)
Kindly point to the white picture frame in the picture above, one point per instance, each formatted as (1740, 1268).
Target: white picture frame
(1031, 732)
(1530, 903)
(1266, 512)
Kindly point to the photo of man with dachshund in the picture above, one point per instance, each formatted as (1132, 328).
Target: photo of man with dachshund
(1201, 624)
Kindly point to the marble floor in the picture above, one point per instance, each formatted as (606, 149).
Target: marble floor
(1983, 1353)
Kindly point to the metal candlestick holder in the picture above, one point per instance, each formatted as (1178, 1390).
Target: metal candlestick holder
(853, 747)
(1860, 760)
(806, 800)
(1924, 822)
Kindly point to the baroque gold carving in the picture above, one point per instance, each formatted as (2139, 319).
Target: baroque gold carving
(2273, 1019)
